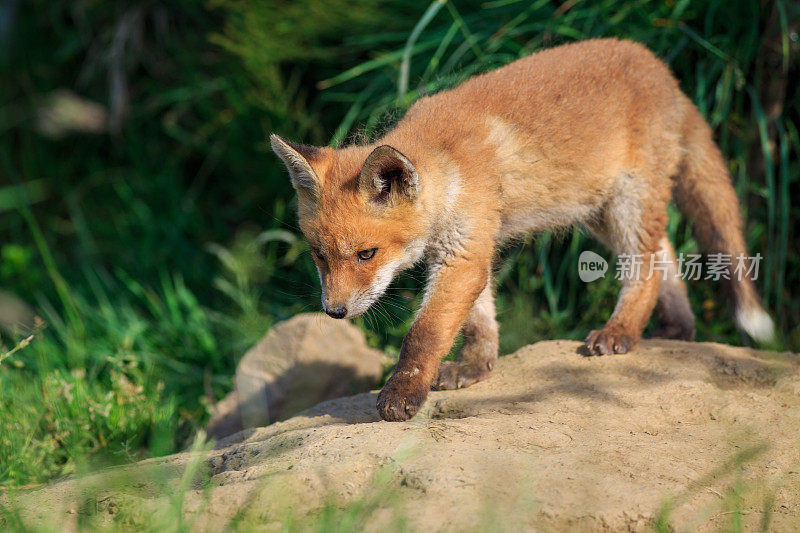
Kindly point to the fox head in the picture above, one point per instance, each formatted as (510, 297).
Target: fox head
(359, 209)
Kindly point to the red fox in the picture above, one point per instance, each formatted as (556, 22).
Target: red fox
(595, 134)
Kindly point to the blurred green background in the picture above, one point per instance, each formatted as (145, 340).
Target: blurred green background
(147, 233)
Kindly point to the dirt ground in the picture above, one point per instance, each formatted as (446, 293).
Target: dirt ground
(696, 435)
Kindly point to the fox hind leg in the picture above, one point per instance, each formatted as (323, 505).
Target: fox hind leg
(675, 317)
(632, 223)
(624, 329)
(478, 354)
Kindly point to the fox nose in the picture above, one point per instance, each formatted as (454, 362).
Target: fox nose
(336, 311)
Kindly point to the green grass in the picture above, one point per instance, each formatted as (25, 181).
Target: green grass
(155, 254)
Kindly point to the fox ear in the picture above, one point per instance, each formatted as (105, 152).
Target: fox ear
(388, 176)
(295, 157)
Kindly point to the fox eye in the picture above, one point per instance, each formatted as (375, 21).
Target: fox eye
(366, 255)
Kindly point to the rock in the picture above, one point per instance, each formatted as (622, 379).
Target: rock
(16, 317)
(63, 112)
(698, 436)
(299, 363)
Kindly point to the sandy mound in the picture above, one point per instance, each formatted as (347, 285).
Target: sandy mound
(699, 435)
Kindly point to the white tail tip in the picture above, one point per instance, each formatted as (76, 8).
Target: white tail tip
(757, 323)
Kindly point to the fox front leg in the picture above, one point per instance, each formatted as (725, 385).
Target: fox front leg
(478, 354)
(451, 293)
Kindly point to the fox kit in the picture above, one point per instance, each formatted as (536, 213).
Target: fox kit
(596, 134)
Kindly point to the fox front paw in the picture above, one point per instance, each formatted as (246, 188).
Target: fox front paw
(674, 331)
(459, 374)
(402, 396)
(607, 341)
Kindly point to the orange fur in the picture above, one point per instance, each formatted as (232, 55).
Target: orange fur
(595, 133)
